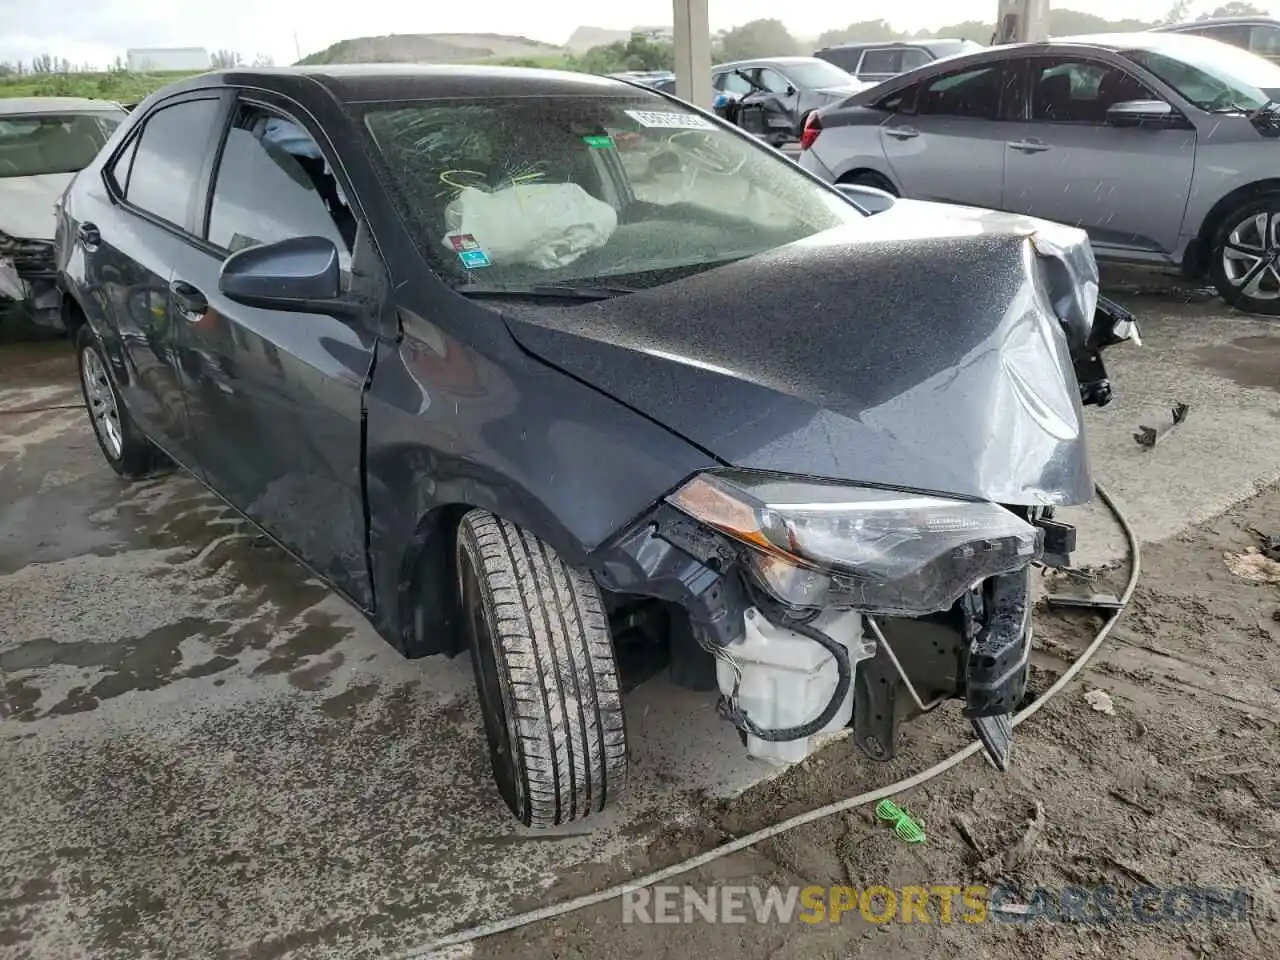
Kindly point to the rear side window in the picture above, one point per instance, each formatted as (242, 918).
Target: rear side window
(974, 93)
(912, 58)
(169, 156)
(888, 62)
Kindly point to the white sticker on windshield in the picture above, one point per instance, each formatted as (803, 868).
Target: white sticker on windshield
(670, 121)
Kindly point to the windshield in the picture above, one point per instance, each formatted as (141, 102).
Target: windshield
(1212, 75)
(576, 189)
(33, 144)
(818, 74)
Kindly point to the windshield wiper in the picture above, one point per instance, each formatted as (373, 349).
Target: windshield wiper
(563, 291)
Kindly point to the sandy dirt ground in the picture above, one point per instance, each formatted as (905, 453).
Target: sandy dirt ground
(205, 753)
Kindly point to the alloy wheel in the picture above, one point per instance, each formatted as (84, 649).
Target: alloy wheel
(101, 399)
(1251, 256)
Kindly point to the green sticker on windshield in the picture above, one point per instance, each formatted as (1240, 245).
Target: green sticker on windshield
(600, 143)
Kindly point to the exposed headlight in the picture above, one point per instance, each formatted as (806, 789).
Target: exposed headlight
(816, 543)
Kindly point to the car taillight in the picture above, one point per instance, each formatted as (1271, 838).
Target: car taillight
(812, 127)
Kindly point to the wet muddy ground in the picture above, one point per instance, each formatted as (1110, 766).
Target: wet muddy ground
(205, 753)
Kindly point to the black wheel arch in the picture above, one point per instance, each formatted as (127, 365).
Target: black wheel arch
(1195, 262)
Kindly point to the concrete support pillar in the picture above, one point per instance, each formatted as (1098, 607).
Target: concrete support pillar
(693, 50)
(1020, 21)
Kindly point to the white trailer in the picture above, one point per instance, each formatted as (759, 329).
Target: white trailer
(160, 59)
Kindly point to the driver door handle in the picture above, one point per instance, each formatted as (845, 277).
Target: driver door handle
(192, 304)
(903, 133)
(1030, 145)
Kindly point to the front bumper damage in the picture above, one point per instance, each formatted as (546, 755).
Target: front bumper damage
(29, 293)
(875, 668)
(898, 667)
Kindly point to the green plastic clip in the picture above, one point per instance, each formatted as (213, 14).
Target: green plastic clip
(904, 827)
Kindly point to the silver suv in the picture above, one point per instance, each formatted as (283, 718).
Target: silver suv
(1164, 147)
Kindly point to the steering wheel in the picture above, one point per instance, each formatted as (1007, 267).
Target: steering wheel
(722, 160)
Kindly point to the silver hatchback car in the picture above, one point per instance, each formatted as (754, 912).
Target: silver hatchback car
(1164, 147)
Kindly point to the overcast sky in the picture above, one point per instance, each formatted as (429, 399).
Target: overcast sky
(97, 31)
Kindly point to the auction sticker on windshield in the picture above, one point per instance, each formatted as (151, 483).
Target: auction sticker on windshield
(670, 121)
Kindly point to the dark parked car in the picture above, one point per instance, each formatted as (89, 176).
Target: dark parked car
(1260, 35)
(529, 364)
(773, 98)
(874, 62)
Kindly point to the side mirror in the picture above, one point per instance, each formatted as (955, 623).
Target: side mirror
(791, 90)
(870, 200)
(300, 275)
(1143, 113)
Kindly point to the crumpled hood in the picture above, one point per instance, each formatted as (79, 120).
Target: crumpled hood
(925, 347)
(26, 204)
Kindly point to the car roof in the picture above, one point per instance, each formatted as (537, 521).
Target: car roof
(25, 105)
(374, 82)
(932, 44)
(765, 61)
(1216, 22)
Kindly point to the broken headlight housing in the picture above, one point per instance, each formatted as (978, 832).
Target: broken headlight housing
(820, 544)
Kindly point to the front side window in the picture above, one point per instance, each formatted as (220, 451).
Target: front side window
(633, 188)
(773, 81)
(273, 183)
(1212, 75)
(732, 81)
(36, 144)
(169, 158)
(1080, 91)
(974, 93)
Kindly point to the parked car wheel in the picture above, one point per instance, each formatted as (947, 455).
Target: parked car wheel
(128, 451)
(869, 178)
(1244, 257)
(545, 670)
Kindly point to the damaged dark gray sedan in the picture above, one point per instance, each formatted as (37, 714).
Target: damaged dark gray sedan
(539, 366)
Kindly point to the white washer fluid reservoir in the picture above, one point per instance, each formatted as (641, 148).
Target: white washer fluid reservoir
(788, 679)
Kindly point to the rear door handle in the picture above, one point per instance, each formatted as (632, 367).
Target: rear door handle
(1029, 146)
(88, 235)
(903, 133)
(192, 304)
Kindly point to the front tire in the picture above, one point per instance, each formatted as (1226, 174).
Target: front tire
(124, 446)
(1244, 255)
(545, 671)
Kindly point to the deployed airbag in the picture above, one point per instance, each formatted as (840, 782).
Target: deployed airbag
(546, 225)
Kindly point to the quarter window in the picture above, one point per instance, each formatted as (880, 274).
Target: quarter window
(975, 93)
(1080, 91)
(169, 158)
(273, 183)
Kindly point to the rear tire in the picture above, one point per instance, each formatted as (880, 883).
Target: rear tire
(124, 446)
(1244, 255)
(545, 672)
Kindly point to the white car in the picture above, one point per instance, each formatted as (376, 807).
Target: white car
(44, 143)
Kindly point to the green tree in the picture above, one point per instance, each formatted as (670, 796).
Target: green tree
(1236, 9)
(865, 31)
(759, 38)
(976, 30)
(1177, 13)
